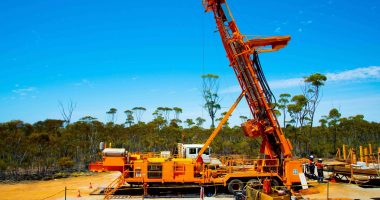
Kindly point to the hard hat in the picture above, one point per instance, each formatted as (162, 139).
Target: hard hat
(311, 157)
(320, 160)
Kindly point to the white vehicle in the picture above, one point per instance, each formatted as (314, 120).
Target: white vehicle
(191, 151)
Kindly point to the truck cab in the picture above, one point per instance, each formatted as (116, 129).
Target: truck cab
(191, 151)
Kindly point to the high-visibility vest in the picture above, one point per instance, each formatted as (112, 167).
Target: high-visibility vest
(319, 166)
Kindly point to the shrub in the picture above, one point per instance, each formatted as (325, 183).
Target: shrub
(66, 162)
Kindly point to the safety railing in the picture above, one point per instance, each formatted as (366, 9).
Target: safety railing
(260, 165)
(114, 185)
(144, 155)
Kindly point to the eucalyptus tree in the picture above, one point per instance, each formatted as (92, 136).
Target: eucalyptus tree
(297, 110)
(275, 109)
(334, 116)
(177, 112)
(282, 105)
(67, 111)
(199, 121)
(323, 121)
(210, 95)
(189, 122)
(159, 111)
(175, 123)
(243, 118)
(312, 91)
(88, 119)
(156, 114)
(129, 120)
(167, 111)
(112, 113)
(164, 113)
(138, 111)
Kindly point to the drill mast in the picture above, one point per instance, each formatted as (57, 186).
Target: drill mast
(243, 56)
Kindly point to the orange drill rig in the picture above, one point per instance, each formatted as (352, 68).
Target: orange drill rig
(190, 168)
(243, 56)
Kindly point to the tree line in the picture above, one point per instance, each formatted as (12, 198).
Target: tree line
(50, 145)
(55, 145)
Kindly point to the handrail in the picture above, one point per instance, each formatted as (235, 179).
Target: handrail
(114, 185)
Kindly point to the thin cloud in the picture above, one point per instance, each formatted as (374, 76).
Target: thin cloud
(304, 24)
(364, 73)
(24, 91)
(285, 83)
(372, 72)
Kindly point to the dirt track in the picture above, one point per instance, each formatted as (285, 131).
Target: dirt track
(343, 191)
(54, 189)
(38, 190)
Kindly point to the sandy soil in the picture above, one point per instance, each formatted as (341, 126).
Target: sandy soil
(38, 190)
(344, 191)
(54, 189)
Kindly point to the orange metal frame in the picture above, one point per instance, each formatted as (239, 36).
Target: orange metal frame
(181, 171)
(243, 55)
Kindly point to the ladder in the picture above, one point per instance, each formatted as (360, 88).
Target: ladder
(114, 185)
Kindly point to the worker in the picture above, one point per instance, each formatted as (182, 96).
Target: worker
(311, 167)
(320, 170)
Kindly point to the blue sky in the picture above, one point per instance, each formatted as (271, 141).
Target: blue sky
(125, 54)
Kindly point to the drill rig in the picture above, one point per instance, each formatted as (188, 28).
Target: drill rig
(276, 163)
(244, 60)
